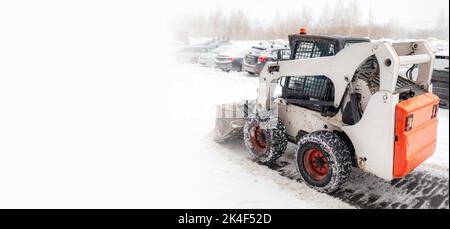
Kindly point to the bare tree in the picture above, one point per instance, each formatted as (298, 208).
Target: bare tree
(370, 20)
(340, 18)
(325, 20)
(216, 23)
(352, 16)
(442, 24)
(297, 19)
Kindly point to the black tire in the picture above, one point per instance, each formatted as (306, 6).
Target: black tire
(273, 133)
(323, 161)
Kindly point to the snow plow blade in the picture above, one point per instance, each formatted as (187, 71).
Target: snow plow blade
(230, 120)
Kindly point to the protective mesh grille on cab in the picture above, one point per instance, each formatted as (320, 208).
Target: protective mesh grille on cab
(313, 49)
(315, 87)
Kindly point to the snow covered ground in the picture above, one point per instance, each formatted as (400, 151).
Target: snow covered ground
(146, 142)
(91, 116)
(225, 176)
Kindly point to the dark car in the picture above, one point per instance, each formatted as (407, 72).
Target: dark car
(251, 59)
(271, 55)
(231, 60)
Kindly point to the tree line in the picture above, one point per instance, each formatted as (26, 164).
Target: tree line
(335, 19)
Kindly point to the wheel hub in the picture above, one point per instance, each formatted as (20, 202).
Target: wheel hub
(258, 139)
(315, 164)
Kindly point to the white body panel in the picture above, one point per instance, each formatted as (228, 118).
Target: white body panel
(373, 136)
(294, 117)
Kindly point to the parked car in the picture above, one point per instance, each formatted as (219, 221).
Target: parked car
(251, 59)
(231, 60)
(190, 54)
(271, 55)
(208, 59)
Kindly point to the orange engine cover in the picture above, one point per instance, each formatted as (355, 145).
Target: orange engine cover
(415, 144)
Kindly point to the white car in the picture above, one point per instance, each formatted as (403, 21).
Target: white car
(208, 59)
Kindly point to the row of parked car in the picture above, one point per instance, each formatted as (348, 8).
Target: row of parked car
(228, 56)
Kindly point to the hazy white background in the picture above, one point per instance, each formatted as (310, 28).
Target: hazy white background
(406, 12)
(81, 94)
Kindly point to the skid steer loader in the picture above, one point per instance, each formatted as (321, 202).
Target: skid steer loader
(344, 104)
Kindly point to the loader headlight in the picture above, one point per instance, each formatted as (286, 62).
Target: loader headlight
(409, 122)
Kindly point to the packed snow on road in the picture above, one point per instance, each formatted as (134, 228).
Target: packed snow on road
(223, 175)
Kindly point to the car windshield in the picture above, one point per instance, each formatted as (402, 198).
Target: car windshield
(256, 50)
(348, 43)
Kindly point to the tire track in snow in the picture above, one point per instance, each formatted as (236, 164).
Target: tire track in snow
(418, 190)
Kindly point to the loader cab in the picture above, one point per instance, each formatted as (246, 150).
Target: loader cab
(314, 92)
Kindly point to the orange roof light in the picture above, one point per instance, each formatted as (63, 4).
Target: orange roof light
(302, 30)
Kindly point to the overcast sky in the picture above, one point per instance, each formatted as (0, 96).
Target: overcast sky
(406, 12)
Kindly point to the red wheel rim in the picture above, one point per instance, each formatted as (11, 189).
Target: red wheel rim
(258, 139)
(316, 164)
